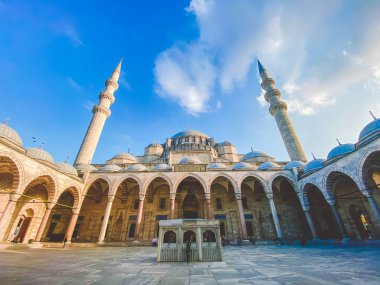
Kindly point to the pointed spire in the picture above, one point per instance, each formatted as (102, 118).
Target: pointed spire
(6, 121)
(313, 155)
(338, 141)
(260, 66)
(67, 159)
(116, 71)
(118, 67)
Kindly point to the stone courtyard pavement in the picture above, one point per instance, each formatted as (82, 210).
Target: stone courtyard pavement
(247, 265)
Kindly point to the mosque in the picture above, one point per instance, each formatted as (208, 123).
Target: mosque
(190, 176)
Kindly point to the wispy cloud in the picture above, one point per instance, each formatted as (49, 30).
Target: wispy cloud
(66, 29)
(310, 48)
(73, 84)
(88, 105)
(123, 81)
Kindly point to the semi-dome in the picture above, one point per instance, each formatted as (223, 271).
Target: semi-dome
(243, 166)
(313, 165)
(269, 165)
(341, 150)
(225, 143)
(257, 156)
(110, 168)
(369, 129)
(123, 158)
(39, 153)
(162, 167)
(216, 166)
(67, 168)
(190, 160)
(85, 167)
(294, 164)
(136, 167)
(10, 134)
(189, 133)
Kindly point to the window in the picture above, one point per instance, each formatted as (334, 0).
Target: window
(249, 227)
(136, 204)
(244, 202)
(218, 203)
(162, 204)
(56, 217)
(131, 232)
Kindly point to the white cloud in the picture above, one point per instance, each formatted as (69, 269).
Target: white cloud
(123, 81)
(73, 84)
(314, 60)
(68, 30)
(89, 105)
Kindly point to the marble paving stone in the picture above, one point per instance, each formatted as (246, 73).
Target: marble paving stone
(265, 265)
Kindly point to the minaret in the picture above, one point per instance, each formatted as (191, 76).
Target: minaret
(278, 110)
(101, 113)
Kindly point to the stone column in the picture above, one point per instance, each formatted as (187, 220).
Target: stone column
(41, 229)
(208, 206)
(199, 244)
(7, 214)
(105, 219)
(310, 222)
(241, 215)
(172, 207)
(139, 218)
(275, 216)
(338, 221)
(71, 227)
(375, 212)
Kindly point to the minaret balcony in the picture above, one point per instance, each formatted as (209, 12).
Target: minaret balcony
(107, 95)
(277, 107)
(112, 83)
(101, 109)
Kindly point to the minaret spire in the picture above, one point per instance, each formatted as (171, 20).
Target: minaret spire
(101, 112)
(278, 110)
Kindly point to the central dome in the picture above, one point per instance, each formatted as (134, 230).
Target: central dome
(188, 134)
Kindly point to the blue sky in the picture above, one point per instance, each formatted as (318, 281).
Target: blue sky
(188, 65)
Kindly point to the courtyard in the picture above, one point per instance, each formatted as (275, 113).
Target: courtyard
(267, 265)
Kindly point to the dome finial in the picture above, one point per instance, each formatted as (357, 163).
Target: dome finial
(42, 144)
(312, 154)
(251, 149)
(6, 121)
(338, 141)
(67, 158)
(373, 116)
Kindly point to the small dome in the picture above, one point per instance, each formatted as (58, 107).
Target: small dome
(189, 160)
(39, 153)
(110, 167)
(313, 165)
(10, 134)
(243, 166)
(257, 156)
(122, 158)
(225, 143)
(162, 166)
(369, 129)
(155, 145)
(269, 165)
(189, 133)
(216, 166)
(294, 164)
(67, 168)
(341, 150)
(136, 167)
(85, 167)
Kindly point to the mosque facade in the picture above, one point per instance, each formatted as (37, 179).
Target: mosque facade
(190, 176)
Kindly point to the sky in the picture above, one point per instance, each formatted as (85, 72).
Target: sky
(188, 65)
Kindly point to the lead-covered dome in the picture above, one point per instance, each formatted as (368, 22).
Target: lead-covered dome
(340, 150)
(313, 165)
(269, 165)
(369, 129)
(67, 168)
(257, 156)
(85, 168)
(136, 167)
(40, 154)
(189, 133)
(190, 160)
(123, 158)
(294, 164)
(110, 168)
(243, 166)
(162, 167)
(10, 134)
(216, 166)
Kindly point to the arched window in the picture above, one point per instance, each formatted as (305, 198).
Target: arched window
(209, 236)
(189, 236)
(170, 237)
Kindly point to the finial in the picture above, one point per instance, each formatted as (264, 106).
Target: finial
(313, 155)
(338, 141)
(251, 149)
(373, 116)
(42, 144)
(67, 158)
(6, 121)
(129, 150)
(118, 67)
(260, 66)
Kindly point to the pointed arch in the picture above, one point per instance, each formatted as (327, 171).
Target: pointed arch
(287, 177)
(331, 174)
(361, 181)
(158, 175)
(93, 180)
(49, 181)
(228, 177)
(195, 176)
(256, 176)
(16, 168)
(304, 192)
(124, 178)
(73, 190)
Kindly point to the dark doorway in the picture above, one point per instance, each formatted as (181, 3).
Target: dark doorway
(190, 207)
(24, 227)
(132, 228)
(222, 229)
(249, 229)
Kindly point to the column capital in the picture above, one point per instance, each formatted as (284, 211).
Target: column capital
(238, 196)
(75, 211)
(50, 205)
(111, 198)
(141, 197)
(269, 196)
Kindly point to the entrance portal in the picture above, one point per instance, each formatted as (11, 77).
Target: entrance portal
(190, 207)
